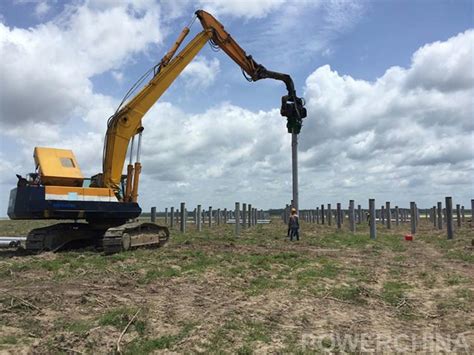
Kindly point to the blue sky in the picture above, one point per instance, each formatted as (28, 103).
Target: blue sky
(92, 51)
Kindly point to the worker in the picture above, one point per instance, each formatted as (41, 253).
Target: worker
(294, 225)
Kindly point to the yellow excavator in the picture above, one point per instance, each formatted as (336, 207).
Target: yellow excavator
(108, 201)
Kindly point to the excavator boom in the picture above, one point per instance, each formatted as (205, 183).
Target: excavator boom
(127, 122)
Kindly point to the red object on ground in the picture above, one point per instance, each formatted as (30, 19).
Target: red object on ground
(408, 237)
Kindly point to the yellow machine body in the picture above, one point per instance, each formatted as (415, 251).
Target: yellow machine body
(58, 167)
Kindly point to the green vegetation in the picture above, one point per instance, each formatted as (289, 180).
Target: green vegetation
(455, 279)
(461, 300)
(79, 326)
(461, 255)
(245, 295)
(261, 284)
(8, 339)
(145, 345)
(248, 330)
(349, 293)
(361, 275)
(428, 279)
(394, 292)
(324, 269)
(117, 317)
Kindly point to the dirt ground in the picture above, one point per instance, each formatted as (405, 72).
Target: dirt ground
(259, 293)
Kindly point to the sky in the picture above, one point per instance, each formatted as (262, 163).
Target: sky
(388, 85)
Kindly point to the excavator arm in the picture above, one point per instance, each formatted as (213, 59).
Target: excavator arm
(292, 107)
(126, 123)
(222, 39)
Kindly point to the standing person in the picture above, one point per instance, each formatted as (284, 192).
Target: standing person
(294, 225)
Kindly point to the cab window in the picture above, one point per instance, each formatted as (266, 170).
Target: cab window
(67, 162)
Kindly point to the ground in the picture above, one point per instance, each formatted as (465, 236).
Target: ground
(213, 292)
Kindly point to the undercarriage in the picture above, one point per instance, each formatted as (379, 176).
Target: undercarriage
(110, 240)
(105, 227)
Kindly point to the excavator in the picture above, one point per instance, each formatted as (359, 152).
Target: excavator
(108, 201)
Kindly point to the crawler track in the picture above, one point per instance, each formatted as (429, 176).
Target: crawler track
(134, 235)
(110, 241)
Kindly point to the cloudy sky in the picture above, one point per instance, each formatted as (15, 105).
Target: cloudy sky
(389, 87)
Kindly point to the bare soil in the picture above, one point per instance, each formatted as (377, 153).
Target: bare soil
(213, 292)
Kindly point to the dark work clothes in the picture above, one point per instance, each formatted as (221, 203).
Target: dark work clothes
(294, 227)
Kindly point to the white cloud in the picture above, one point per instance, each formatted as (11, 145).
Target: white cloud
(42, 8)
(324, 21)
(7, 169)
(345, 107)
(454, 72)
(201, 72)
(241, 8)
(117, 75)
(219, 155)
(407, 135)
(407, 128)
(220, 139)
(49, 67)
(362, 139)
(341, 14)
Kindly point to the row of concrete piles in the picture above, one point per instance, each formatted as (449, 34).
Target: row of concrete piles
(441, 217)
(247, 216)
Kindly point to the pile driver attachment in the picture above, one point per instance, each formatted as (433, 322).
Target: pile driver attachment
(293, 109)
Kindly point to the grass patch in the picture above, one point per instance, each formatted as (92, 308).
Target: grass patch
(351, 294)
(361, 274)
(267, 262)
(455, 279)
(10, 269)
(310, 275)
(245, 331)
(461, 255)
(118, 317)
(428, 279)
(222, 336)
(244, 350)
(199, 262)
(257, 331)
(60, 265)
(461, 300)
(9, 339)
(342, 239)
(144, 345)
(78, 326)
(307, 277)
(261, 284)
(152, 275)
(399, 258)
(394, 292)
